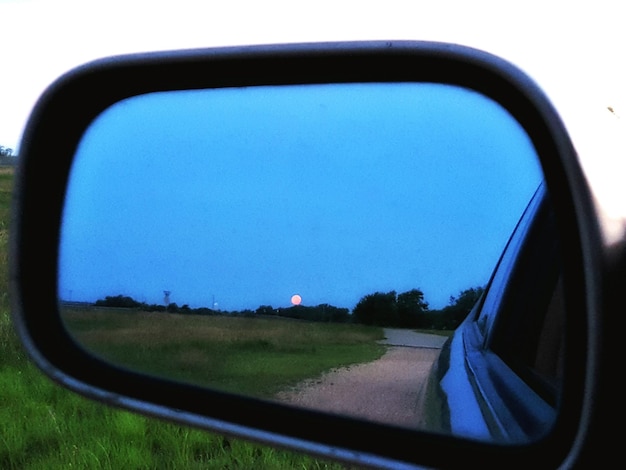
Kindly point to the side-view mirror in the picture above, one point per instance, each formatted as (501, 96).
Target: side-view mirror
(382, 253)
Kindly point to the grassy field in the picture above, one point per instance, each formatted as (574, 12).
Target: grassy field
(251, 356)
(43, 426)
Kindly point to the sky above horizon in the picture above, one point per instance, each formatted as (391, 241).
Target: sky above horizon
(244, 197)
(574, 52)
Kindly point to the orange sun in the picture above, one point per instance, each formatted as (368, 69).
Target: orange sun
(296, 299)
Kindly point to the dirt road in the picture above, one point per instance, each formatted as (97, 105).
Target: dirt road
(385, 390)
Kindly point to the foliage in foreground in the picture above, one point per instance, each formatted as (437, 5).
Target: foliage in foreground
(45, 426)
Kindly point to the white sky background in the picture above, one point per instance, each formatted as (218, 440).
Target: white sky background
(575, 51)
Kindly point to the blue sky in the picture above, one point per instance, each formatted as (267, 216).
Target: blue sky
(577, 67)
(245, 197)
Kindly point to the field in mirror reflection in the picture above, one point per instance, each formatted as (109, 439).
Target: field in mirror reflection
(273, 241)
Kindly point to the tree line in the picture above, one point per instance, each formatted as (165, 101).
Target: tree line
(405, 310)
(410, 310)
(5, 151)
(322, 312)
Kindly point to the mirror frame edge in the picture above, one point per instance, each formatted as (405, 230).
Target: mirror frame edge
(33, 259)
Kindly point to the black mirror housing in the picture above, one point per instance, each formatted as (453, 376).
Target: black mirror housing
(66, 110)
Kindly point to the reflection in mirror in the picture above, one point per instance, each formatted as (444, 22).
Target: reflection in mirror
(312, 244)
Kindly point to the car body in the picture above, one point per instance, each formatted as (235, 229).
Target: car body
(508, 352)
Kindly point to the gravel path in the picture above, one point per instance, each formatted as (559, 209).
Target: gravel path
(385, 390)
(399, 337)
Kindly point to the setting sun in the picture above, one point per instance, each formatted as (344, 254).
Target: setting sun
(296, 299)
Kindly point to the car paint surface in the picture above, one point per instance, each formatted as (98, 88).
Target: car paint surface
(459, 397)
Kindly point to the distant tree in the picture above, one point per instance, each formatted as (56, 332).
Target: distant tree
(411, 308)
(265, 310)
(202, 311)
(5, 151)
(378, 309)
(451, 316)
(331, 313)
(118, 301)
(467, 298)
(319, 313)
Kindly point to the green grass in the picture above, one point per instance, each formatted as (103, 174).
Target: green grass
(252, 356)
(43, 426)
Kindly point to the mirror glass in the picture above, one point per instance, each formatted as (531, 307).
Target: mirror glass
(312, 244)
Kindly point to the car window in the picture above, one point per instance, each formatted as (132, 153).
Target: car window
(528, 332)
(548, 360)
